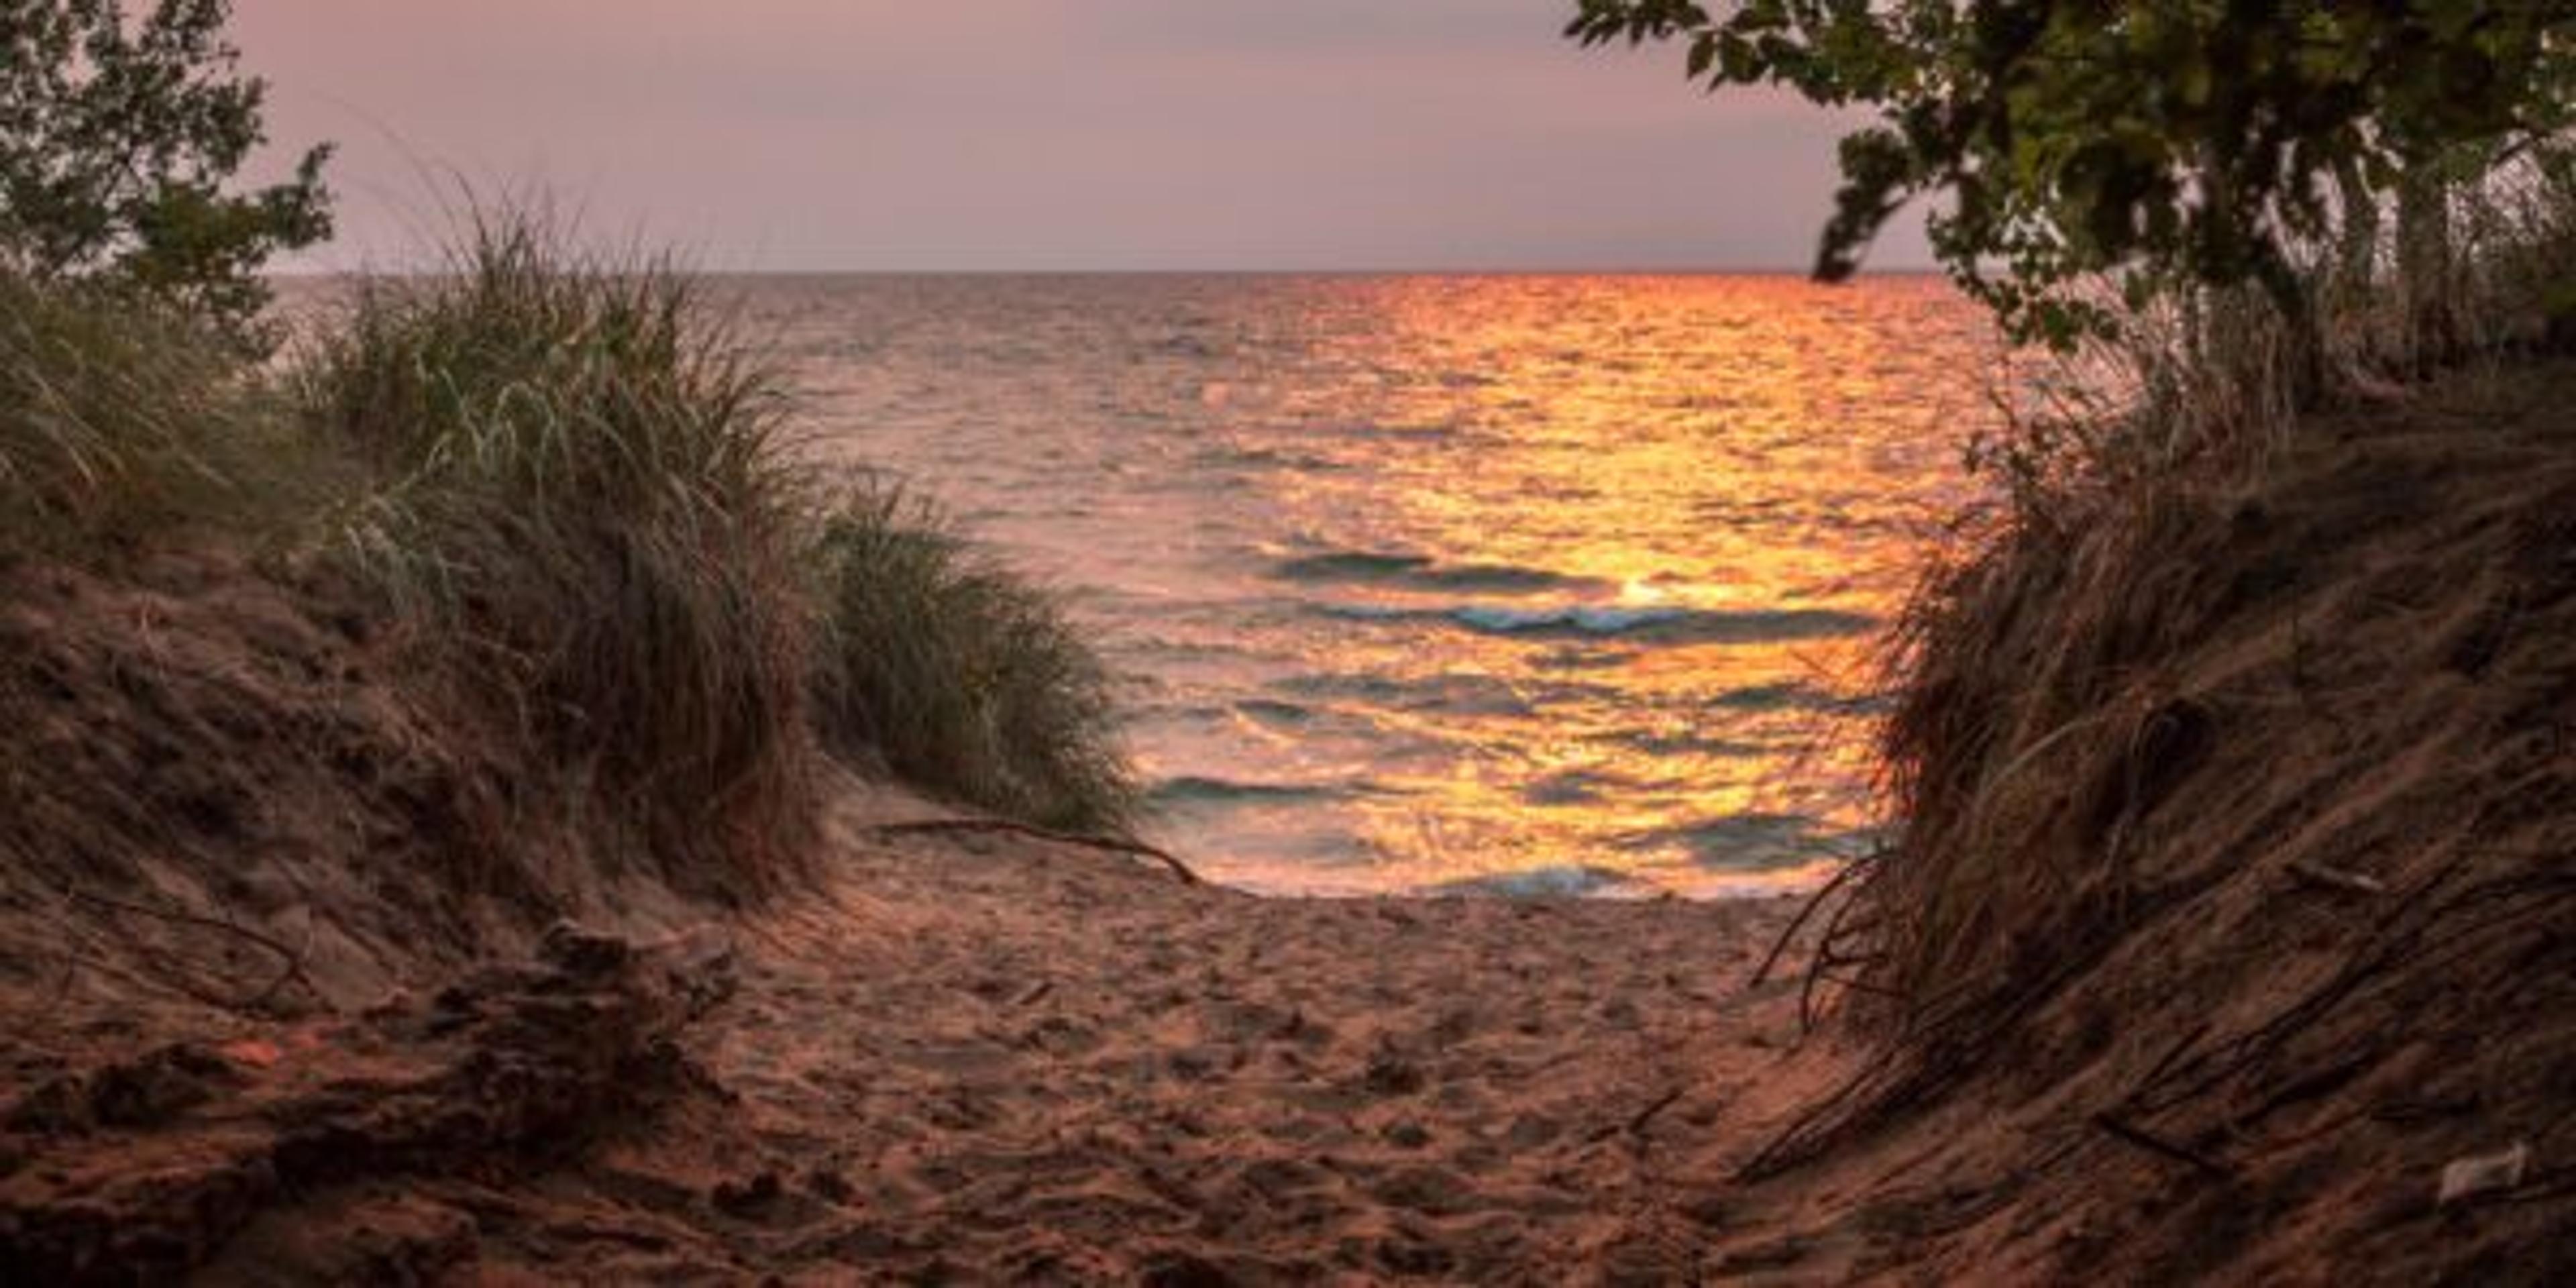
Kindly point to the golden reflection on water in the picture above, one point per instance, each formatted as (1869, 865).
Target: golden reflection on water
(1726, 447)
(1437, 579)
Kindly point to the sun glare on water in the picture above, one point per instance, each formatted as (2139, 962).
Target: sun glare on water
(1517, 583)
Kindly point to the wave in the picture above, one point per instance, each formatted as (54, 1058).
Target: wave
(1222, 454)
(1756, 841)
(1272, 711)
(1193, 787)
(1423, 571)
(1571, 787)
(1560, 881)
(1660, 624)
(1664, 743)
(1796, 696)
(1585, 655)
(1444, 693)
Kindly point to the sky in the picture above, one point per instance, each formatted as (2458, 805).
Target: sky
(1016, 135)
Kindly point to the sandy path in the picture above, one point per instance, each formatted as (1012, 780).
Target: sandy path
(989, 1059)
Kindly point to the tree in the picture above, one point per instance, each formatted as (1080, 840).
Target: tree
(119, 138)
(2169, 141)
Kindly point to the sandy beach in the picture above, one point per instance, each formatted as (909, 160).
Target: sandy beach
(943, 1054)
(988, 1058)
(1022, 1062)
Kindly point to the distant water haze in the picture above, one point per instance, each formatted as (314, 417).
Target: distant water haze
(1520, 583)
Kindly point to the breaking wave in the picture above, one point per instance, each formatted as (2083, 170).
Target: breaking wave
(1657, 623)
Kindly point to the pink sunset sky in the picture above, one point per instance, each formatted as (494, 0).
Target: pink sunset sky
(1050, 134)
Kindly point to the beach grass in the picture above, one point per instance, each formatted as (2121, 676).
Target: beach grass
(582, 484)
(951, 671)
(2027, 659)
(120, 419)
(585, 482)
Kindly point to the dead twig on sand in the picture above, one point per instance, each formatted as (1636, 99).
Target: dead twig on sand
(1635, 1124)
(2129, 1134)
(1780, 946)
(1115, 845)
(291, 972)
(2428, 936)
(2336, 878)
(1645, 1117)
(1822, 966)
(1934, 1057)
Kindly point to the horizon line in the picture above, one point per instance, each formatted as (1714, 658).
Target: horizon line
(1608, 271)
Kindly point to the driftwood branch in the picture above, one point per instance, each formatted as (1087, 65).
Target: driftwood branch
(1113, 844)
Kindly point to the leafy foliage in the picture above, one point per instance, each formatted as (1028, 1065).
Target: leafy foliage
(2170, 140)
(119, 136)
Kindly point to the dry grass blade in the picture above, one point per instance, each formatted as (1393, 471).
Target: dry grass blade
(119, 419)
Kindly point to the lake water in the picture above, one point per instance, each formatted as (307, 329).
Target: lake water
(1442, 583)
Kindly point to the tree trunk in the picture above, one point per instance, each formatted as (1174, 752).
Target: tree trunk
(2424, 268)
(2359, 261)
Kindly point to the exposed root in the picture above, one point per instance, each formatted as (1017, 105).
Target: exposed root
(146, 1166)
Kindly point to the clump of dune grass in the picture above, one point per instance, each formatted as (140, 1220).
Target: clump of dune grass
(2029, 657)
(949, 671)
(120, 418)
(2042, 709)
(583, 487)
(573, 489)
